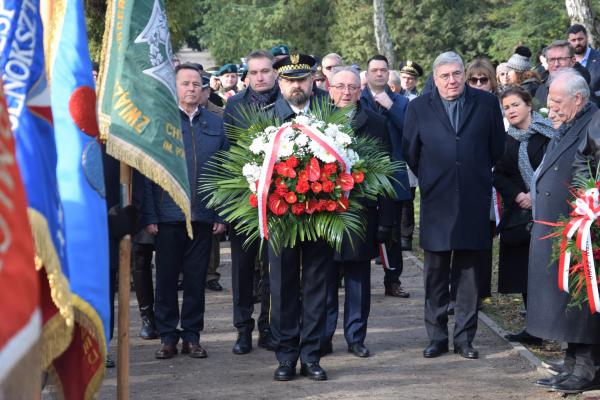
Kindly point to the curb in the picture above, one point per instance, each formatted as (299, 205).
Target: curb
(518, 347)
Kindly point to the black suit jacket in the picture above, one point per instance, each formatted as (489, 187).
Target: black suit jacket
(454, 168)
(593, 66)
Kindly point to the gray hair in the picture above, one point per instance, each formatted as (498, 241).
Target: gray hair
(560, 43)
(346, 68)
(575, 83)
(334, 55)
(394, 77)
(448, 57)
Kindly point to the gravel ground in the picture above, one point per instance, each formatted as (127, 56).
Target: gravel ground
(395, 370)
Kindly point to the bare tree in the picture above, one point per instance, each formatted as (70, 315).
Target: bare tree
(580, 12)
(382, 35)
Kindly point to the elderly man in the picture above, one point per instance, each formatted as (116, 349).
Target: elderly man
(453, 136)
(354, 261)
(585, 55)
(378, 97)
(202, 137)
(299, 272)
(261, 93)
(547, 313)
(329, 62)
(560, 55)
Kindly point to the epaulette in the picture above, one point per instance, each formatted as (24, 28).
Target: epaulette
(268, 107)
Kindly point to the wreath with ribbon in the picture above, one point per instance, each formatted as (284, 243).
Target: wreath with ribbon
(300, 180)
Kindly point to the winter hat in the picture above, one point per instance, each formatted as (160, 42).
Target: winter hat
(520, 60)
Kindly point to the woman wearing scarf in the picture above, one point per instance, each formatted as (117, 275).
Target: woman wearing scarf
(528, 135)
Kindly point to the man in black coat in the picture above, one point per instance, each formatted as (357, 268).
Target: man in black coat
(547, 313)
(299, 272)
(262, 92)
(355, 261)
(453, 136)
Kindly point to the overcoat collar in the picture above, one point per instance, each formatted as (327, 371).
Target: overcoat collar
(436, 103)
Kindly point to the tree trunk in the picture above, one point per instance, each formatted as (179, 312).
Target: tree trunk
(382, 35)
(580, 12)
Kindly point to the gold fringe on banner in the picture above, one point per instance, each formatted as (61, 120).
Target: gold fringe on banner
(56, 333)
(87, 317)
(156, 172)
(53, 17)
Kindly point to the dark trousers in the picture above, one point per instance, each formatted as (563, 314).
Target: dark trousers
(215, 259)
(298, 319)
(407, 224)
(582, 360)
(141, 262)
(465, 265)
(394, 251)
(243, 261)
(175, 251)
(357, 300)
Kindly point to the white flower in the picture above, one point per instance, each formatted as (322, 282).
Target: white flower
(258, 145)
(286, 148)
(343, 139)
(303, 120)
(251, 172)
(301, 140)
(352, 156)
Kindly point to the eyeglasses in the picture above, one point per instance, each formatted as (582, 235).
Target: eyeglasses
(341, 87)
(481, 81)
(330, 67)
(446, 77)
(559, 60)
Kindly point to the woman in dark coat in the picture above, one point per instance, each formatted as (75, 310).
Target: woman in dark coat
(527, 137)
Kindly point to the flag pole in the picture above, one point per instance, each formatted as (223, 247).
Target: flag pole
(124, 293)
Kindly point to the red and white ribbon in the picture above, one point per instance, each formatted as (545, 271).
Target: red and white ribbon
(266, 173)
(586, 211)
(385, 262)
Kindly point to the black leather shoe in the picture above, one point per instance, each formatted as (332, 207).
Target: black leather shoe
(466, 351)
(553, 380)
(574, 384)
(148, 330)
(554, 367)
(395, 290)
(524, 337)
(243, 344)
(166, 351)
(266, 341)
(313, 371)
(358, 349)
(435, 349)
(406, 244)
(286, 371)
(326, 348)
(193, 350)
(214, 285)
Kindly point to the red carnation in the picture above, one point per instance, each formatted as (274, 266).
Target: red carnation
(331, 205)
(253, 200)
(324, 176)
(298, 209)
(322, 205)
(302, 186)
(290, 197)
(316, 187)
(346, 181)
(311, 206)
(328, 186)
(281, 189)
(330, 168)
(358, 176)
(277, 205)
(342, 204)
(303, 175)
(292, 162)
(313, 170)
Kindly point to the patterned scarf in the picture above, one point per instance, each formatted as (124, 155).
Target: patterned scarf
(262, 99)
(539, 125)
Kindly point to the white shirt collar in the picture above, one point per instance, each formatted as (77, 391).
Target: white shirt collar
(584, 60)
(300, 110)
(196, 112)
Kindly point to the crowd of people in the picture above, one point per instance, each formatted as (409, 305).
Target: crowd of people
(491, 149)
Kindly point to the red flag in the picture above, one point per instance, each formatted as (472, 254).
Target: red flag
(20, 369)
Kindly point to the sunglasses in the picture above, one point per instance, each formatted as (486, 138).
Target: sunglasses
(481, 81)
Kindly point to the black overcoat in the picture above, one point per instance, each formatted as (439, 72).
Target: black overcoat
(547, 314)
(454, 168)
(369, 123)
(512, 267)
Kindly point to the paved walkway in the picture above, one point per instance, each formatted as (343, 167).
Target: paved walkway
(395, 370)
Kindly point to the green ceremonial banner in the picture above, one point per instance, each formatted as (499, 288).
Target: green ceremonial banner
(138, 109)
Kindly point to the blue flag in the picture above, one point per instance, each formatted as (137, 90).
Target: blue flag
(28, 98)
